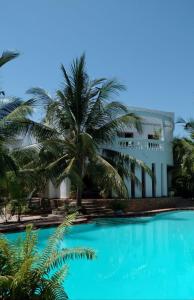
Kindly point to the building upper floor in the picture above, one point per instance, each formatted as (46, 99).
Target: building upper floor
(153, 142)
(156, 125)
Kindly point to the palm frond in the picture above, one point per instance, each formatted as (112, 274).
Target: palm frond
(59, 257)
(27, 274)
(54, 240)
(7, 56)
(41, 96)
(105, 175)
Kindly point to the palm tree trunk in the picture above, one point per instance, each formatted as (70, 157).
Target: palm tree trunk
(79, 188)
(79, 197)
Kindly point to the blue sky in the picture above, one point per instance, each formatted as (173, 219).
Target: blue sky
(147, 44)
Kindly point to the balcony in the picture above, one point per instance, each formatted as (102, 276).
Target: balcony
(141, 144)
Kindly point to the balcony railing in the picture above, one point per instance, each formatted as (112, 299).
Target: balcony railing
(141, 144)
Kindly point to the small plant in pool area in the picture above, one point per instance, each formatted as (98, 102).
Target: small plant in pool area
(25, 273)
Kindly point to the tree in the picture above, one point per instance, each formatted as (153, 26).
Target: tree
(13, 112)
(13, 120)
(17, 194)
(5, 58)
(5, 161)
(188, 126)
(183, 173)
(84, 120)
(26, 273)
(15, 125)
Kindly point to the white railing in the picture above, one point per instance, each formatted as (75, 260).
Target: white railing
(140, 144)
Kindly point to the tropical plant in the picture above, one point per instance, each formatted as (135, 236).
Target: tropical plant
(26, 273)
(5, 161)
(31, 173)
(5, 212)
(188, 126)
(15, 125)
(12, 112)
(84, 119)
(17, 193)
(183, 173)
(14, 194)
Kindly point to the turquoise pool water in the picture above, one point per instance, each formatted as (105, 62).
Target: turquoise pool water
(140, 258)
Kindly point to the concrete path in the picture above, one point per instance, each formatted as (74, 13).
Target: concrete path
(50, 220)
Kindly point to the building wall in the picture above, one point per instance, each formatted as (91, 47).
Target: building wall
(150, 151)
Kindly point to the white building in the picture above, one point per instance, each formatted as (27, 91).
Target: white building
(153, 146)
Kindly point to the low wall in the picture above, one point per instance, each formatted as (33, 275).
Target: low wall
(143, 204)
(137, 204)
(151, 203)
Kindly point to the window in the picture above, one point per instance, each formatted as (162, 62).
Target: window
(125, 134)
(155, 136)
(150, 137)
(128, 134)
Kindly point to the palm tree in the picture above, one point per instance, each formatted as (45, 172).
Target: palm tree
(183, 173)
(85, 119)
(15, 124)
(26, 273)
(188, 126)
(5, 58)
(5, 161)
(13, 112)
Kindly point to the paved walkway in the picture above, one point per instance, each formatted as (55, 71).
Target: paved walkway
(37, 221)
(50, 220)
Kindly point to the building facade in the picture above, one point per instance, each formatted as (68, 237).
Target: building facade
(153, 146)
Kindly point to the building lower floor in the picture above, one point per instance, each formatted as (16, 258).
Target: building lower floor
(157, 185)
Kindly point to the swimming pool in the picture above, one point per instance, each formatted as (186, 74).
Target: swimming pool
(139, 258)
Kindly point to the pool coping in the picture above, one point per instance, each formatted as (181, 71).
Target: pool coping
(18, 227)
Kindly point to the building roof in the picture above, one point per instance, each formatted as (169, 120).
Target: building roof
(152, 112)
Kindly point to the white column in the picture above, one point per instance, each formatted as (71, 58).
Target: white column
(148, 183)
(64, 189)
(138, 188)
(52, 190)
(158, 179)
(164, 180)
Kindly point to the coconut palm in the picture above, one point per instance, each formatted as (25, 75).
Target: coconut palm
(183, 173)
(13, 112)
(85, 119)
(15, 124)
(26, 273)
(15, 121)
(5, 58)
(5, 160)
(188, 126)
